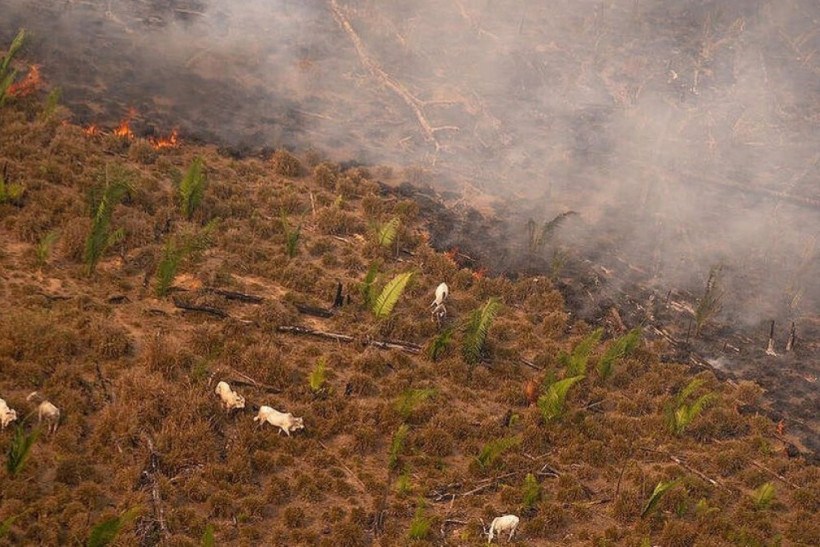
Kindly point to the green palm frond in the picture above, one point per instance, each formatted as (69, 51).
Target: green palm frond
(386, 233)
(410, 399)
(367, 284)
(318, 376)
(538, 238)
(681, 414)
(208, 539)
(764, 495)
(660, 489)
(491, 451)
(6, 525)
(580, 355)
(390, 295)
(20, 449)
(15, 46)
(439, 344)
(291, 236)
(192, 188)
(107, 531)
(551, 403)
(620, 348)
(102, 207)
(44, 246)
(7, 76)
(690, 388)
(397, 445)
(478, 326)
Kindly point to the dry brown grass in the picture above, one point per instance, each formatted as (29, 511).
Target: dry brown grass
(135, 372)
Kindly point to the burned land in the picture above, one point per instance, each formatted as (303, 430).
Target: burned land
(620, 197)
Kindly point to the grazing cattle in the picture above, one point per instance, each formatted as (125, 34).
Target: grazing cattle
(507, 523)
(7, 415)
(442, 292)
(284, 421)
(46, 412)
(230, 398)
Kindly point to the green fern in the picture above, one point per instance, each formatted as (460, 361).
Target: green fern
(208, 539)
(410, 399)
(577, 361)
(107, 531)
(367, 285)
(439, 344)
(318, 376)
(764, 495)
(192, 188)
(386, 233)
(660, 489)
(390, 295)
(103, 203)
(478, 326)
(397, 445)
(8, 75)
(492, 450)
(20, 449)
(621, 347)
(43, 250)
(531, 491)
(551, 404)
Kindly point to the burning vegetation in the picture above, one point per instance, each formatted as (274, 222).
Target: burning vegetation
(134, 283)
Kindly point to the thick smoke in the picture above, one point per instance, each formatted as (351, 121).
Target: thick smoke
(684, 132)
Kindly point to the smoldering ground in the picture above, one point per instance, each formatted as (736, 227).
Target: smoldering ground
(685, 133)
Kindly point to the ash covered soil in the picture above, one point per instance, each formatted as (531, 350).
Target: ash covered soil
(396, 444)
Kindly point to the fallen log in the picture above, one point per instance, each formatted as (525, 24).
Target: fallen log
(314, 311)
(205, 309)
(234, 295)
(347, 339)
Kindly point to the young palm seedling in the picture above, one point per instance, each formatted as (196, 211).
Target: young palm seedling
(681, 413)
(620, 348)
(491, 451)
(8, 74)
(390, 295)
(476, 330)
(660, 490)
(107, 531)
(292, 236)
(552, 402)
(101, 237)
(20, 449)
(576, 362)
(192, 188)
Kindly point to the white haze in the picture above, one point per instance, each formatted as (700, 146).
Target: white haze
(684, 132)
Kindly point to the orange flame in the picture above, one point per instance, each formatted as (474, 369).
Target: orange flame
(124, 130)
(171, 141)
(92, 130)
(27, 85)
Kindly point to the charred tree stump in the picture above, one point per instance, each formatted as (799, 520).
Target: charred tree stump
(792, 339)
(770, 347)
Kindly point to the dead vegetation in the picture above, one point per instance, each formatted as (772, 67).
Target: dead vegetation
(398, 444)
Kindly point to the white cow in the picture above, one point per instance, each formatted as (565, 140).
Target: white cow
(46, 412)
(230, 398)
(503, 524)
(7, 415)
(284, 421)
(442, 292)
